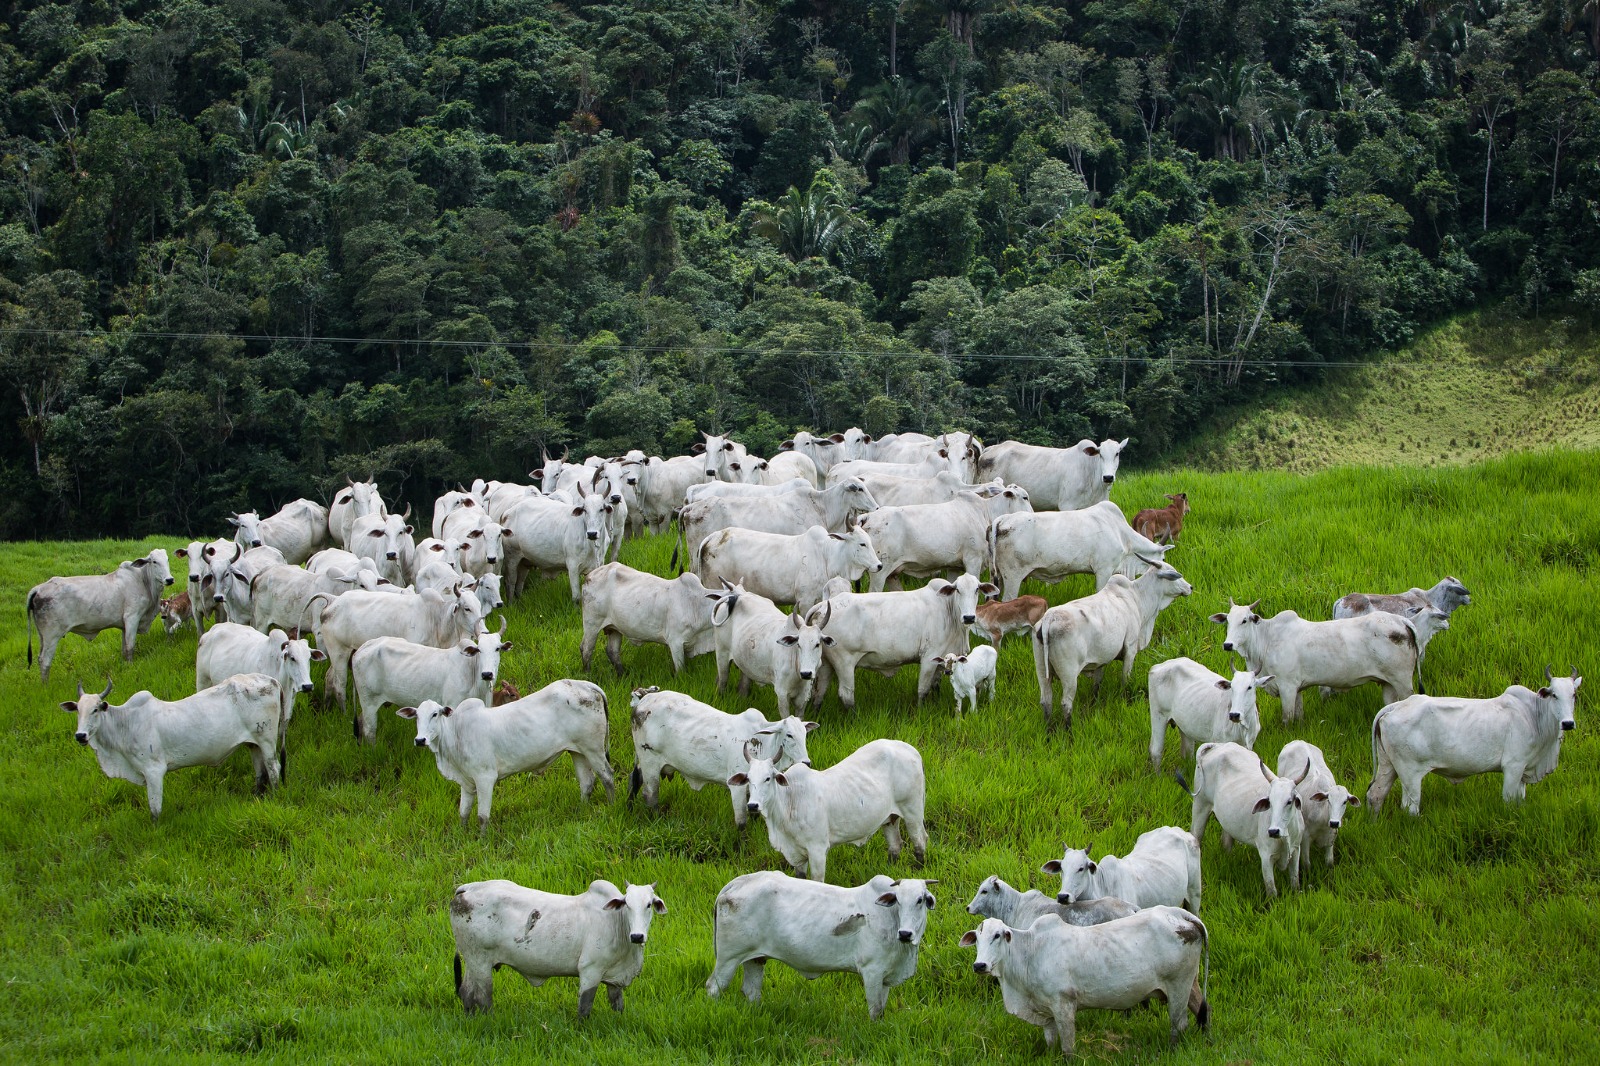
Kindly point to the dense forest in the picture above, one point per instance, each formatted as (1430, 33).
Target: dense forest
(252, 246)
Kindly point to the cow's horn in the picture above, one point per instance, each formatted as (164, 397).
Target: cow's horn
(107, 690)
(80, 690)
(407, 513)
(1574, 673)
(827, 613)
(502, 630)
(1304, 772)
(238, 550)
(1547, 675)
(726, 585)
(794, 620)
(1264, 771)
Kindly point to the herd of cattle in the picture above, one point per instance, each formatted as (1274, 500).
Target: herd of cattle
(403, 622)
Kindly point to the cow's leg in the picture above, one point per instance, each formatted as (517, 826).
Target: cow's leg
(677, 649)
(744, 688)
(586, 998)
(891, 837)
(1047, 695)
(1291, 700)
(573, 577)
(1411, 789)
(1199, 815)
(484, 786)
(917, 830)
(1294, 866)
(47, 652)
(722, 669)
(740, 794)
(1382, 779)
(816, 863)
(130, 632)
(1066, 1015)
(1010, 585)
(475, 985)
(154, 779)
(877, 992)
(927, 677)
(614, 653)
(1158, 738)
(754, 970)
(585, 774)
(258, 766)
(1268, 878)
(368, 728)
(875, 582)
(468, 794)
(847, 684)
(819, 687)
(1177, 1012)
(614, 997)
(600, 767)
(586, 646)
(1512, 789)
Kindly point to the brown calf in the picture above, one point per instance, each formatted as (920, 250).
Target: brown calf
(1164, 524)
(505, 692)
(175, 611)
(996, 619)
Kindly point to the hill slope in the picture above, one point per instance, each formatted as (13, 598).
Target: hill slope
(1471, 389)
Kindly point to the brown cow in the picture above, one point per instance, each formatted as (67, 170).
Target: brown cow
(1164, 524)
(996, 619)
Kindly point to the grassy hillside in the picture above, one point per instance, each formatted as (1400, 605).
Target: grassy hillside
(312, 925)
(1468, 390)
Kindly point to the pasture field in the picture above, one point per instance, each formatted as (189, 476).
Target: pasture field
(312, 925)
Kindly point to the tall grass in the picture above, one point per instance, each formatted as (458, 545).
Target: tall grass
(312, 924)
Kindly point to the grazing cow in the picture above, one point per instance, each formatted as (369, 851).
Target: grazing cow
(892, 491)
(675, 734)
(1445, 596)
(338, 559)
(622, 602)
(999, 618)
(1051, 970)
(873, 930)
(1325, 800)
(142, 739)
(1252, 804)
(176, 610)
(1340, 654)
(729, 490)
(768, 646)
(394, 670)
(128, 598)
(1115, 623)
(476, 537)
(785, 467)
(476, 745)
(551, 535)
(597, 937)
(1092, 540)
(662, 487)
(351, 620)
(928, 467)
(386, 540)
(282, 595)
(1162, 869)
(1019, 909)
(298, 530)
(231, 649)
(969, 672)
(1517, 733)
(1057, 479)
(790, 512)
(357, 499)
(1163, 524)
(807, 811)
(926, 539)
(1204, 705)
(783, 568)
(884, 631)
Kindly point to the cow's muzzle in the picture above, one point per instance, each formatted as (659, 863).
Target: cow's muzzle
(753, 808)
(1332, 824)
(307, 687)
(391, 556)
(1109, 478)
(255, 544)
(421, 742)
(1568, 725)
(195, 578)
(1227, 645)
(637, 938)
(1274, 833)
(217, 598)
(905, 936)
(487, 676)
(82, 738)
(968, 619)
(1063, 898)
(168, 581)
(980, 967)
(491, 560)
(805, 675)
(1233, 716)
(594, 535)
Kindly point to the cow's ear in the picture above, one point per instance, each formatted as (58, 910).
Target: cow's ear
(71, 706)
(1220, 618)
(827, 640)
(1544, 693)
(141, 562)
(727, 445)
(182, 553)
(786, 446)
(781, 779)
(1007, 935)
(969, 938)
(811, 725)
(928, 898)
(1090, 449)
(1224, 683)
(888, 899)
(699, 446)
(1051, 867)
(659, 905)
(948, 590)
(577, 512)
(1262, 804)
(615, 903)
(506, 646)
(1265, 678)
(409, 530)
(1255, 618)
(1352, 802)
(608, 508)
(989, 589)
(789, 638)
(739, 779)
(407, 712)
(867, 438)
(470, 649)
(318, 655)
(448, 711)
(961, 658)
(1094, 867)
(834, 536)
(1319, 797)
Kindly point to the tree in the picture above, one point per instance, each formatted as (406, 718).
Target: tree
(1492, 97)
(40, 348)
(813, 221)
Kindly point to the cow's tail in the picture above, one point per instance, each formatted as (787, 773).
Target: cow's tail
(316, 619)
(458, 973)
(1416, 655)
(1377, 725)
(992, 536)
(1042, 635)
(1203, 1015)
(32, 625)
(1177, 775)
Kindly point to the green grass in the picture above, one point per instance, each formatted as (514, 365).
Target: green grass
(1474, 388)
(312, 924)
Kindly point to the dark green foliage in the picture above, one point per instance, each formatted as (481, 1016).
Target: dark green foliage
(307, 240)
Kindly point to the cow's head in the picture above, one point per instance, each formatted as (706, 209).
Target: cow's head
(484, 651)
(1452, 594)
(910, 901)
(364, 499)
(591, 511)
(295, 657)
(1281, 804)
(1077, 872)
(430, 717)
(1109, 455)
(852, 444)
(1244, 718)
(962, 595)
(857, 497)
(761, 778)
(485, 537)
(247, 529)
(1562, 694)
(720, 454)
(783, 743)
(466, 610)
(219, 556)
(991, 939)
(1339, 799)
(859, 555)
(487, 588)
(639, 904)
(88, 707)
(805, 638)
(160, 567)
(1181, 501)
(990, 896)
(194, 553)
(1241, 620)
(1427, 621)
(947, 663)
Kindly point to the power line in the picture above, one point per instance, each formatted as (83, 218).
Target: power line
(1186, 360)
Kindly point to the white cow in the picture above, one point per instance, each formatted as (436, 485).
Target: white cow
(142, 739)
(622, 602)
(298, 530)
(1517, 733)
(969, 672)
(729, 490)
(1019, 909)
(552, 535)
(784, 568)
(202, 585)
(1051, 970)
(597, 937)
(1092, 540)
(790, 512)
(338, 559)
(785, 467)
(128, 598)
(931, 466)
(676, 734)
(351, 620)
(1325, 800)
(921, 540)
(892, 491)
(394, 670)
(476, 537)
(1162, 869)
(1204, 705)
(873, 930)
(1252, 804)
(1448, 594)
(825, 451)
(231, 649)
(768, 646)
(451, 502)
(283, 595)
(233, 582)
(386, 540)
(884, 631)
(724, 459)
(1057, 479)
(1117, 622)
(357, 499)
(877, 786)
(1340, 654)
(476, 745)
(663, 484)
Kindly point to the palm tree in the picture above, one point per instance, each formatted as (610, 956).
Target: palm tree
(806, 222)
(1225, 103)
(904, 114)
